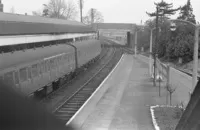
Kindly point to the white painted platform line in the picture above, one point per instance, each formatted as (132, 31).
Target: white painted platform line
(153, 118)
(74, 116)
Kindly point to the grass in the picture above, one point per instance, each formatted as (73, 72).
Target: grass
(167, 117)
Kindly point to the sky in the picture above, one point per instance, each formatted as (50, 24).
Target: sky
(114, 11)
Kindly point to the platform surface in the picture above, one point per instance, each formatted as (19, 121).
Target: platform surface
(125, 105)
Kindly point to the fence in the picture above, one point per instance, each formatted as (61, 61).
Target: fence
(163, 70)
(177, 83)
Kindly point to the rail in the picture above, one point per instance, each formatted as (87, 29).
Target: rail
(70, 107)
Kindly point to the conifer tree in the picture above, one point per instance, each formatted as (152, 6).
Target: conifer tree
(168, 9)
(186, 13)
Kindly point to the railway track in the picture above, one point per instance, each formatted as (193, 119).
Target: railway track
(68, 108)
(128, 51)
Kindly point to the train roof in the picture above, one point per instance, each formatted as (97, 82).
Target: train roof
(14, 24)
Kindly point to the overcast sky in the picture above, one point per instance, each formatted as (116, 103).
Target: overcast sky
(114, 11)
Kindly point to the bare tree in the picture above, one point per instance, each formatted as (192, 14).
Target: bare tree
(171, 91)
(60, 9)
(93, 16)
(12, 10)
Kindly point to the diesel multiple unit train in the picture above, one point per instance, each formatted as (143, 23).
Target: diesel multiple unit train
(38, 54)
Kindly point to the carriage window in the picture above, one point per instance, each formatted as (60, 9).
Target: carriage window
(42, 67)
(23, 75)
(69, 57)
(8, 77)
(16, 77)
(73, 56)
(52, 63)
(66, 58)
(39, 68)
(46, 66)
(62, 59)
(29, 72)
(59, 60)
(56, 61)
(34, 70)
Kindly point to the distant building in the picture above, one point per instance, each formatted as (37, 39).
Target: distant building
(1, 7)
(114, 29)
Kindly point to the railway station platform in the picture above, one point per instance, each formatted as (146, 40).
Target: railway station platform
(123, 100)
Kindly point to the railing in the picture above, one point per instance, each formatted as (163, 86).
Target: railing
(163, 70)
(168, 74)
(173, 78)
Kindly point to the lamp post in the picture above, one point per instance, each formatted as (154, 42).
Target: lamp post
(135, 48)
(150, 49)
(136, 37)
(196, 46)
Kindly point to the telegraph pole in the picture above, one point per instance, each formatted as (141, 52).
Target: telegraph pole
(156, 41)
(92, 15)
(150, 52)
(81, 10)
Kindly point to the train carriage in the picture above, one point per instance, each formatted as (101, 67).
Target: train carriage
(37, 53)
(87, 50)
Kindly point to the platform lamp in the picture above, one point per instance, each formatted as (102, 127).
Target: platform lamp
(150, 48)
(135, 47)
(137, 29)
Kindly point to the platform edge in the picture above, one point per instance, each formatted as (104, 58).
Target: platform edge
(73, 117)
